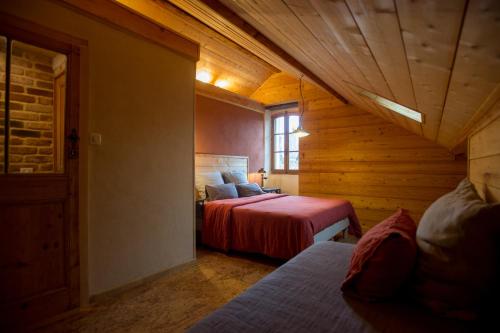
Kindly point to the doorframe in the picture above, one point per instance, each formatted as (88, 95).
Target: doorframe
(19, 29)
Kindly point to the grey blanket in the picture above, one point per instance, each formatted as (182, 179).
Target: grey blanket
(304, 296)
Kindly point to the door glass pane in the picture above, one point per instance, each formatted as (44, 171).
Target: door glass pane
(293, 160)
(3, 47)
(279, 161)
(279, 142)
(37, 103)
(293, 123)
(279, 125)
(293, 142)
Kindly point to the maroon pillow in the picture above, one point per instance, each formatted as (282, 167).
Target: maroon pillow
(383, 259)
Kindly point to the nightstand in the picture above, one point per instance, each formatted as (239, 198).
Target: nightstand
(272, 190)
(199, 219)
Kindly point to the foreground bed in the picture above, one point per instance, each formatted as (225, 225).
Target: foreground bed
(277, 225)
(304, 295)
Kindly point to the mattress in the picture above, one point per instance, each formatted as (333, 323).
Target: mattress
(277, 225)
(304, 295)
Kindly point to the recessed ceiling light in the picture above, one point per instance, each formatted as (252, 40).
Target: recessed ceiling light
(222, 83)
(402, 110)
(203, 76)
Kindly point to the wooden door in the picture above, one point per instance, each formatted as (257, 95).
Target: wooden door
(39, 250)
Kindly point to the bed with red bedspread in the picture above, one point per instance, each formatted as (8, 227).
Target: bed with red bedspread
(276, 225)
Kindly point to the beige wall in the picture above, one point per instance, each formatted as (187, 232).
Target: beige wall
(139, 182)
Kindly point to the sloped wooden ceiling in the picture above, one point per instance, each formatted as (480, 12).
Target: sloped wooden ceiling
(223, 58)
(439, 57)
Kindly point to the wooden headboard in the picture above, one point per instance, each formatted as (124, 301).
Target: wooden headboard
(204, 163)
(484, 161)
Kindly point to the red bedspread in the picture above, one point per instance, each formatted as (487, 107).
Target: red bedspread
(276, 225)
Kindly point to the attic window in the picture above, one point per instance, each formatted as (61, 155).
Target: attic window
(398, 108)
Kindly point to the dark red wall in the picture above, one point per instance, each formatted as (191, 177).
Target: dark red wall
(226, 129)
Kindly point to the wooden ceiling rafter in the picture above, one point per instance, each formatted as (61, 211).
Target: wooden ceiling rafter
(437, 57)
(455, 52)
(241, 31)
(303, 50)
(344, 67)
(218, 54)
(403, 50)
(393, 50)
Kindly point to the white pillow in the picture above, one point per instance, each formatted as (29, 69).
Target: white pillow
(235, 177)
(206, 178)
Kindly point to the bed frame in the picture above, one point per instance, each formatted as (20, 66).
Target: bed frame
(224, 163)
(204, 163)
(333, 230)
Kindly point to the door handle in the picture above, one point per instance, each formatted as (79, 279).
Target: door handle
(73, 149)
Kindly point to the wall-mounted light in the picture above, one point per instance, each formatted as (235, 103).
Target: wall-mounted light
(222, 83)
(262, 176)
(398, 108)
(204, 76)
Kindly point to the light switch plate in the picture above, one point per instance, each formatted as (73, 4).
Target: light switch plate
(95, 139)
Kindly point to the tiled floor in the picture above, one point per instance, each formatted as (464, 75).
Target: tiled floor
(173, 302)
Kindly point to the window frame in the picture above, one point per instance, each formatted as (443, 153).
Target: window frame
(283, 113)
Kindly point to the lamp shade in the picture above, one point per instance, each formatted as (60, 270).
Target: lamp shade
(300, 132)
(261, 170)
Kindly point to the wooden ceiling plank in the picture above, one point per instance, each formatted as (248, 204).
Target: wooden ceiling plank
(476, 76)
(488, 111)
(214, 92)
(430, 31)
(221, 18)
(318, 28)
(304, 48)
(379, 24)
(338, 18)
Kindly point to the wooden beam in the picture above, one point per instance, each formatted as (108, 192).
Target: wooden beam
(213, 92)
(234, 22)
(115, 14)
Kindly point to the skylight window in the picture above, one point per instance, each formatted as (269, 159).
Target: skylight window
(402, 110)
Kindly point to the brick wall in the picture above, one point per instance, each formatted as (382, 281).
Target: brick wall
(31, 109)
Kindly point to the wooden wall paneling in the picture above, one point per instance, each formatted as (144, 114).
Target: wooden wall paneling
(486, 142)
(430, 31)
(476, 74)
(484, 161)
(355, 155)
(281, 88)
(329, 165)
(376, 165)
